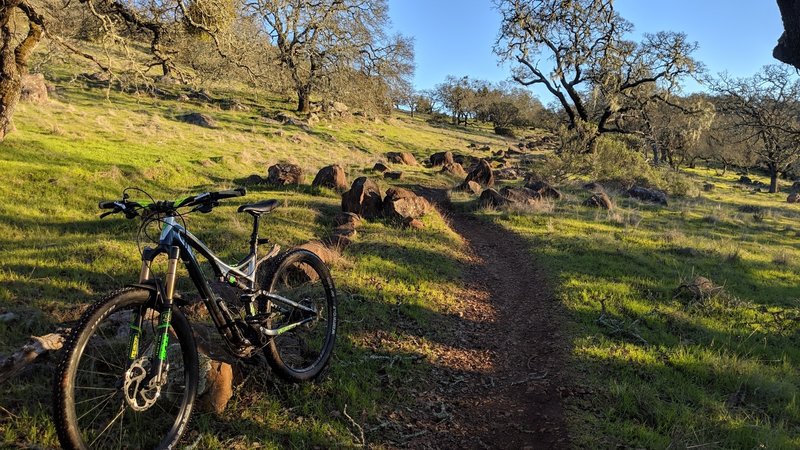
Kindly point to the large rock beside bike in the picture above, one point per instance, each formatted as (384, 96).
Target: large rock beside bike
(326, 254)
(284, 174)
(332, 176)
(402, 204)
(363, 198)
(481, 174)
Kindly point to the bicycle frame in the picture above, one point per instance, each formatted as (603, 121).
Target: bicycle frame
(177, 242)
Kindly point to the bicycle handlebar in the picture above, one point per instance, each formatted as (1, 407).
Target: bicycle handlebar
(202, 202)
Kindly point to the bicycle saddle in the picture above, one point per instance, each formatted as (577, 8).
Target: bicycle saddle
(259, 208)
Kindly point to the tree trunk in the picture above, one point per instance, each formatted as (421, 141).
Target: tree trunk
(788, 48)
(773, 181)
(304, 100)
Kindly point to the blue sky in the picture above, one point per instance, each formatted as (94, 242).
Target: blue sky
(455, 37)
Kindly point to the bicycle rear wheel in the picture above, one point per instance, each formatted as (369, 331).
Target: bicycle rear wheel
(300, 353)
(103, 399)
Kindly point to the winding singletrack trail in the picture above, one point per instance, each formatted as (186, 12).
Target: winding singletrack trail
(503, 384)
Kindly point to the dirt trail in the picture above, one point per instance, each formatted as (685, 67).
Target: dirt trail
(506, 392)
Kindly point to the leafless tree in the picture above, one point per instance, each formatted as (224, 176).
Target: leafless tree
(766, 108)
(316, 39)
(577, 51)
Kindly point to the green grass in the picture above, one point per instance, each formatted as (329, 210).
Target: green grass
(662, 372)
(56, 255)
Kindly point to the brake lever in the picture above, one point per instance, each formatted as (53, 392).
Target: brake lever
(108, 213)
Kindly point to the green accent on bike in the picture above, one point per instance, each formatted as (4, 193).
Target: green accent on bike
(135, 328)
(162, 347)
(232, 280)
(287, 328)
(134, 345)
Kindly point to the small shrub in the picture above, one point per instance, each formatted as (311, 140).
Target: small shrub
(782, 258)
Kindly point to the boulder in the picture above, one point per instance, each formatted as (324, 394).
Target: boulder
(254, 179)
(492, 199)
(454, 169)
(441, 159)
(332, 176)
(509, 173)
(347, 218)
(794, 197)
(599, 200)
(402, 204)
(520, 195)
(544, 189)
(795, 187)
(465, 160)
(415, 224)
(233, 104)
(219, 387)
(401, 158)
(284, 174)
(33, 88)
(393, 175)
(745, 180)
(380, 167)
(363, 198)
(594, 187)
(339, 107)
(199, 119)
(709, 187)
(327, 255)
(481, 174)
(648, 195)
(470, 186)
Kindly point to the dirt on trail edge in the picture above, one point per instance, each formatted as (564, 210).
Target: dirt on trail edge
(501, 385)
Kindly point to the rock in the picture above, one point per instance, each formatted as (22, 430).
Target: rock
(284, 174)
(599, 200)
(347, 218)
(453, 169)
(403, 204)
(8, 317)
(794, 197)
(795, 187)
(286, 119)
(313, 119)
(219, 386)
(415, 224)
(485, 148)
(380, 167)
(33, 88)
(339, 107)
(465, 160)
(594, 187)
(544, 189)
(492, 199)
(441, 159)
(504, 131)
(708, 187)
(401, 158)
(520, 195)
(509, 173)
(648, 195)
(183, 98)
(698, 290)
(254, 179)
(327, 255)
(393, 175)
(512, 152)
(232, 104)
(199, 119)
(745, 180)
(470, 186)
(363, 198)
(481, 174)
(332, 176)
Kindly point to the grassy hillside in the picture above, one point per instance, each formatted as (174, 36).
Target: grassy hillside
(56, 254)
(658, 368)
(653, 370)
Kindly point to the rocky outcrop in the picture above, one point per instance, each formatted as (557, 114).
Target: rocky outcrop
(199, 119)
(599, 200)
(648, 195)
(441, 159)
(454, 169)
(404, 205)
(284, 174)
(363, 198)
(492, 199)
(544, 189)
(481, 174)
(401, 158)
(332, 176)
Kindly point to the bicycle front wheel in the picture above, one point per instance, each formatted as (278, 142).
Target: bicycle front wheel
(104, 396)
(304, 346)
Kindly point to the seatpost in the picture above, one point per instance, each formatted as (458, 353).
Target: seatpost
(254, 236)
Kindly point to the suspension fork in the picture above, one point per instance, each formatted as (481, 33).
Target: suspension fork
(136, 320)
(160, 358)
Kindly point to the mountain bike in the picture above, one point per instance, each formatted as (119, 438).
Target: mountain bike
(129, 373)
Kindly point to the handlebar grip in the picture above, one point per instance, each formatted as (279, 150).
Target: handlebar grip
(238, 192)
(107, 205)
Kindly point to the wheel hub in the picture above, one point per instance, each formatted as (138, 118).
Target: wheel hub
(141, 391)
